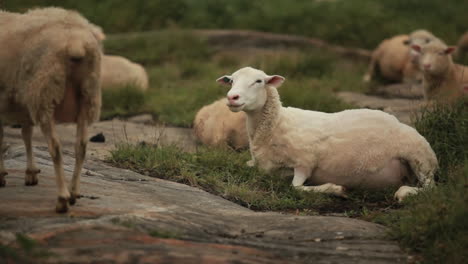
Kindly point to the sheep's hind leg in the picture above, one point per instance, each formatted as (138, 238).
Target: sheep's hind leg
(55, 150)
(31, 169)
(80, 154)
(3, 172)
(302, 174)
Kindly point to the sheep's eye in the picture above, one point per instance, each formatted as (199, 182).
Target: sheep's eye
(258, 81)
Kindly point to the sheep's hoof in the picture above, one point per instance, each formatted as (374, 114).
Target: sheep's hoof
(74, 197)
(62, 205)
(250, 163)
(31, 177)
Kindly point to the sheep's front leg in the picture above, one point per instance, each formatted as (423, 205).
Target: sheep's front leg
(55, 150)
(302, 174)
(31, 169)
(405, 191)
(80, 154)
(3, 172)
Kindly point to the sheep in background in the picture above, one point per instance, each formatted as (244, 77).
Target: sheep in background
(215, 125)
(117, 71)
(354, 148)
(396, 61)
(462, 46)
(49, 74)
(443, 79)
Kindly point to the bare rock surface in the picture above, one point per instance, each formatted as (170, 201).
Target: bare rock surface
(125, 217)
(404, 109)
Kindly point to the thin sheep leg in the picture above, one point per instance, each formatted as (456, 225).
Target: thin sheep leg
(3, 172)
(80, 154)
(405, 191)
(31, 169)
(55, 150)
(302, 174)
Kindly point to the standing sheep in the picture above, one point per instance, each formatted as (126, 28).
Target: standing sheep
(353, 148)
(49, 74)
(117, 71)
(214, 124)
(443, 79)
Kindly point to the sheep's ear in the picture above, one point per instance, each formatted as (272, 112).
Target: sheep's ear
(416, 48)
(450, 50)
(225, 80)
(274, 80)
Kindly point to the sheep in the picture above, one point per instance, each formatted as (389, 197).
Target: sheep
(215, 125)
(419, 37)
(117, 71)
(462, 46)
(443, 79)
(349, 149)
(49, 74)
(392, 57)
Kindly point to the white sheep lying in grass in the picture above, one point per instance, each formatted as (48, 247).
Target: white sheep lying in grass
(117, 71)
(215, 124)
(49, 74)
(354, 148)
(443, 79)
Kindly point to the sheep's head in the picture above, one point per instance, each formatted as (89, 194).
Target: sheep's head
(434, 58)
(248, 88)
(419, 37)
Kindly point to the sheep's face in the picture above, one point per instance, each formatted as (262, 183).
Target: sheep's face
(248, 88)
(420, 38)
(434, 58)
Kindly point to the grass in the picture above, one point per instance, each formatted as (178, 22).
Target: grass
(26, 251)
(359, 23)
(223, 172)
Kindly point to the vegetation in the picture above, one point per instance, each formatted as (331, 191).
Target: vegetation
(182, 69)
(360, 23)
(26, 250)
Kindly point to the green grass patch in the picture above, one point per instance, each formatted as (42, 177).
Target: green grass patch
(122, 101)
(223, 172)
(433, 223)
(26, 250)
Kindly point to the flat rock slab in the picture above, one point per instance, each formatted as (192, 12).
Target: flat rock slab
(116, 132)
(125, 217)
(403, 109)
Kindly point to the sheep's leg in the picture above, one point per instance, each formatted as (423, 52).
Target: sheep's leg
(405, 191)
(55, 150)
(302, 174)
(370, 71)
(31, 169)
(80, 154)
(3, 172)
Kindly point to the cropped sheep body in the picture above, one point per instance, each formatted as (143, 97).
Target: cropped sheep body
(345, 148)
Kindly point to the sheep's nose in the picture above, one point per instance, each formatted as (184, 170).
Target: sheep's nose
(427, 66)
(233, 98)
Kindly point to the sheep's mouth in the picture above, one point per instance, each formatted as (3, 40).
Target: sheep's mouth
(235, 105)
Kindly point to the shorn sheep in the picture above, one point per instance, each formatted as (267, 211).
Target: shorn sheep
(395, 59)
(216, 125)
(354, 148)
(443, 79)
(49, 74)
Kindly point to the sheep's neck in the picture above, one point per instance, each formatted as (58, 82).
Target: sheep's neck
(262, 122)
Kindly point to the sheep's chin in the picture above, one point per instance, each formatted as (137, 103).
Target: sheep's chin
(236, 108)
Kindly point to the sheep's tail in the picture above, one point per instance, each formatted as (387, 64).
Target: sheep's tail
(76, 50)
(423, 162)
